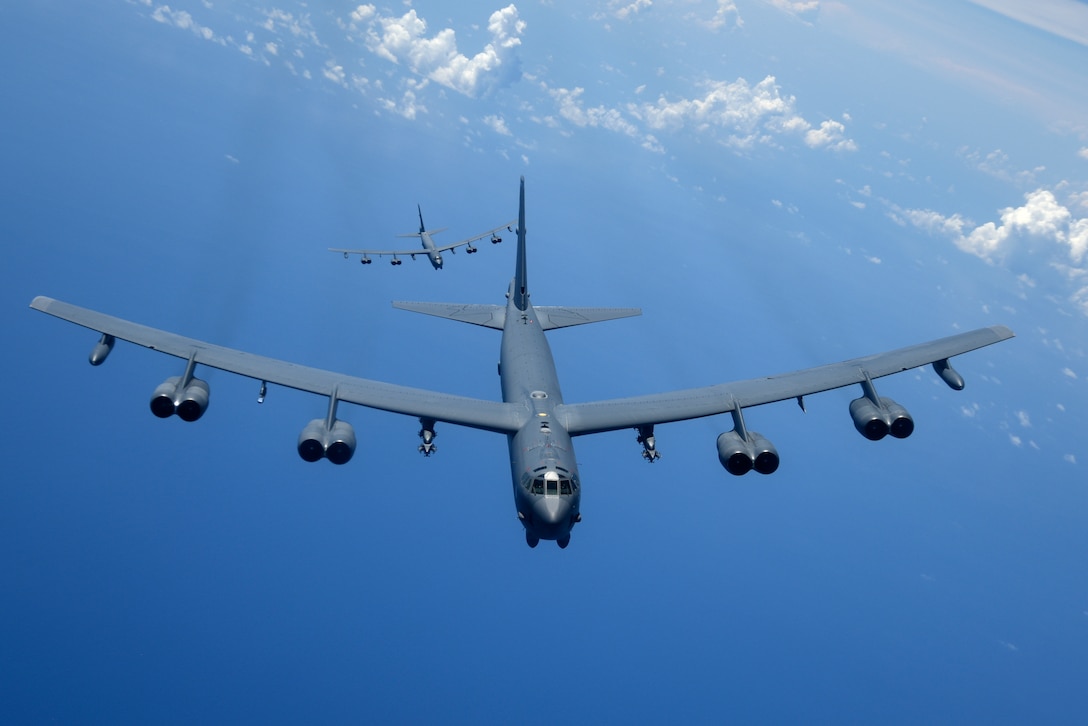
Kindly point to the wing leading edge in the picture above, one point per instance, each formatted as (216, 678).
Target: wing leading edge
(621, 413)
(471, 412)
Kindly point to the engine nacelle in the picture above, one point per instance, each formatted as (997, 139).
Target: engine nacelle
(336, 444)
(739, 455)
(188, 403)
(194, 400)
(875, 422)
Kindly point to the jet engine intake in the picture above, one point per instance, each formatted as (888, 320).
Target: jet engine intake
(317, 441)
(875, 422)
(188, 402)
(740, 455)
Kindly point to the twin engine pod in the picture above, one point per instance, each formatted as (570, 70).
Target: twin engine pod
(318, 441)
(875, 422)
(188, 401)
(741, 454)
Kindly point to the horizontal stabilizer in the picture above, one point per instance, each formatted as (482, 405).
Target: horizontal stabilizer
(552, 317)
(493, 316)
(489, 316)
(420, 234)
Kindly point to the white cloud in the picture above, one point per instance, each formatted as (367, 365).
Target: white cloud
(1040, 217)
(183, 20)
(572, 109)
(726, 14)
(334, 73)
(362, 14)
(748, 114)
(1070, 459)
(1069, 373)
(403, 40)
(1015, 440)
(299, 27)
(624, 11)
(408, 106)
(797, 7)
(831, 135)
(1083, 153)
(1023, 418)
(498, 125)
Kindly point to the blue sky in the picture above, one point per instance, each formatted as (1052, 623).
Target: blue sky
(777, 184)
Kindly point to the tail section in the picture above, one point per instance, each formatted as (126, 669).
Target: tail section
(521, 281)
(494, 316)
(422, 229)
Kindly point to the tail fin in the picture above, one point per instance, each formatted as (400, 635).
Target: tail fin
(521, 281)
(422, 228)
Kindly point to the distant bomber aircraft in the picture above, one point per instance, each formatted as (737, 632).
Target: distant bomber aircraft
(533, 416)
(434, 253)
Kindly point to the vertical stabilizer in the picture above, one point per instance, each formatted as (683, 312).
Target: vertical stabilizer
(422, 229)
(521, 281)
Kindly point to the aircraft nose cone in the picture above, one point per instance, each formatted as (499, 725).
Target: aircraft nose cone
(552, 510)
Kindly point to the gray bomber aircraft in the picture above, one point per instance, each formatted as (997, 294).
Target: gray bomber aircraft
(433, 252)
(532, 415)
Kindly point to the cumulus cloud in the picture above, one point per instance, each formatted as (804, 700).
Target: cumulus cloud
(404, 40)
(1041, 216)
(572, 109)
(1040, 221)
(748, 114)
(726, 15)
(1083, 153)
(831, 135)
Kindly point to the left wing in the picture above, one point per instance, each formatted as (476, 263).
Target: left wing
(471, 412)
(621, 413)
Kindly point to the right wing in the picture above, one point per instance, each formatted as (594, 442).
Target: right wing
(471, 412)
(489, 233)
(621, 413)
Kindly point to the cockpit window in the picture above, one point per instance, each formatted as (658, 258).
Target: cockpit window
(551, 484)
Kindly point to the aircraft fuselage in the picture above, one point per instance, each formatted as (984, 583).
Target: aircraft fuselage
(547, 490)
(433, 254)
